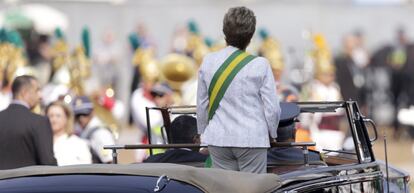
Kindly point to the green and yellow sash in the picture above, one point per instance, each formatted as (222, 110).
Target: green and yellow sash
(223, 77)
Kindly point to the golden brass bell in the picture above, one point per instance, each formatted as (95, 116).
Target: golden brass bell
(177, 69)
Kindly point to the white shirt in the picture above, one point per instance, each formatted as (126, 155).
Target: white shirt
(71, 150)
(138, 104)
(189, 92)
(5, 100)
(249, 110)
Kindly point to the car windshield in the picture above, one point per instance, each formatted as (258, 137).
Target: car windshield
(338, 130)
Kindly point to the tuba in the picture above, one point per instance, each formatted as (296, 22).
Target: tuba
(176, 70)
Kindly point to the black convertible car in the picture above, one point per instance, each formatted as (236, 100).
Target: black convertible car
(353, 171)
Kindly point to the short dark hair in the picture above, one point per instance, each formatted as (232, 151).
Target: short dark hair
(239, 25)
(183, 129)
(20, 82)
(286, 133)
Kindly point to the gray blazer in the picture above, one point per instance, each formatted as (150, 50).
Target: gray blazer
(249, 110)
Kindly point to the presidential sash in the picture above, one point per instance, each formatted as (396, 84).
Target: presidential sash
(223, 77)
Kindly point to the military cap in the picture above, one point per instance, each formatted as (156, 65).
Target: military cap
(289, 111)
(286, 129)
(160, 89)
(82, 105)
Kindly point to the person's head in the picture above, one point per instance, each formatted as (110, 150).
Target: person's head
(359, 36)
(286, 133)
(61, 117)
(162, 94)
(82, 108)
(239, 25)
(26, 88)
(184, 130)
(108, 37)
(401, 36)
(349, 43)
(326, 77)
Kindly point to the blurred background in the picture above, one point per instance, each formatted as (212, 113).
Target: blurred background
(119, 51)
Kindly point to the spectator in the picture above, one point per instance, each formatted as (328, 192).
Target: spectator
(93, 130)
(69, 149)
(25, 137)
(183, 130)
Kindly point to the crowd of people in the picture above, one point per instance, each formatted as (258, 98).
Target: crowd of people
(83, 111)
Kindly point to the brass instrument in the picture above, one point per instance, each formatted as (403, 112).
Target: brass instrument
(199, 52)
(79, 67)
(12, 60)
(323, 68)
(61, 60)
(147, 64)
(60, 51)
(322, 56)
(176, 69)
(270, 49)
(78, 71)
(196, 46)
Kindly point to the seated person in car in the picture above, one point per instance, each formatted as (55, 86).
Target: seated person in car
(287, 133)
(183, 130)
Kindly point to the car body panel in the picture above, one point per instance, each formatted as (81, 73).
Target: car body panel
(205, 179)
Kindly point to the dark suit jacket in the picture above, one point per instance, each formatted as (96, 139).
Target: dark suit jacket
(290, 155)
(344, 78)
(177, 156)
(25, 138)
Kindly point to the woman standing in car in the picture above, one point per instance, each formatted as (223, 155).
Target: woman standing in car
(237, 105)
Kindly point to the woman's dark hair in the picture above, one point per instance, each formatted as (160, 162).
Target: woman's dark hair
(239, 25)
(286, 133)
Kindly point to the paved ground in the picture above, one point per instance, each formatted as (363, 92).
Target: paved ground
(400, 153)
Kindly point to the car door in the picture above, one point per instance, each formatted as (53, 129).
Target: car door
(348, 183)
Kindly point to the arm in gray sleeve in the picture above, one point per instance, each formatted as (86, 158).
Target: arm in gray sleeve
(202, 104)
(270, 101)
